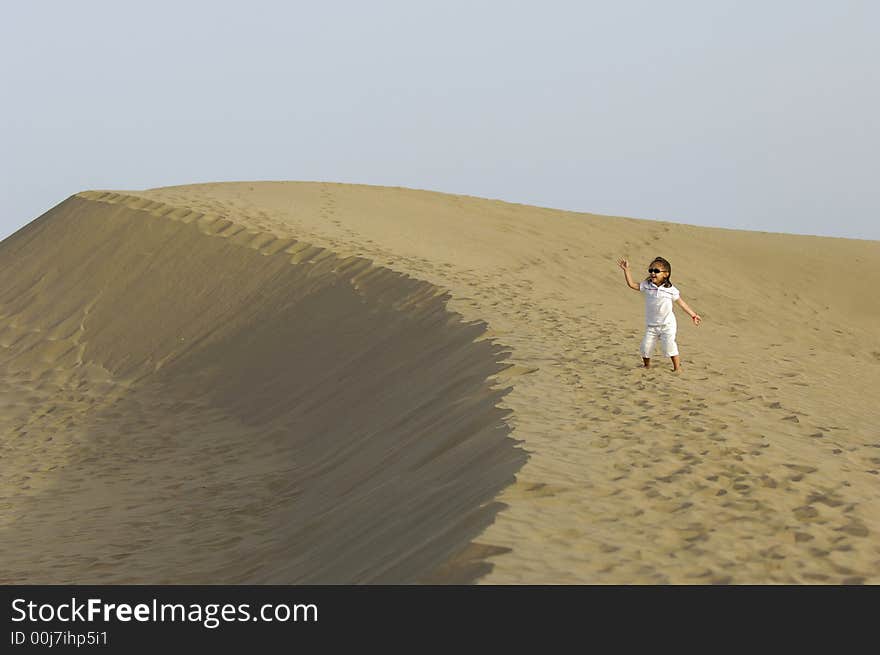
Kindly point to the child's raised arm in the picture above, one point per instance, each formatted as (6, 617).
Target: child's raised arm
(624, 264)
(696, 317)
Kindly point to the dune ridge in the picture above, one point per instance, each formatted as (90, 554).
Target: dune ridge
(758, 464)
(191, 401)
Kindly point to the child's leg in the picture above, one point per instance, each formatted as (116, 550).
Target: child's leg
(670, 348)
(648, 344)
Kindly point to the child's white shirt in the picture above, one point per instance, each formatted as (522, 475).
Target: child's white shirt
(658, 303)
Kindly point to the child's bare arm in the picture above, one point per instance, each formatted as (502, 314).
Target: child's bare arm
(690, 312)
(624, 264)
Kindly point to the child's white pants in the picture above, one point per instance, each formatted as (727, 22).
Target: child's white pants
(665, 334)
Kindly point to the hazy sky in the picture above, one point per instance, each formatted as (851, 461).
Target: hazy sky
(747, 114)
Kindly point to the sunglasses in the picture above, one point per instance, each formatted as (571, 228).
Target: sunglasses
(655, 270)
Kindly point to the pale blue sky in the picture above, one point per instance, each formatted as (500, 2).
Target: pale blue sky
(747, 114)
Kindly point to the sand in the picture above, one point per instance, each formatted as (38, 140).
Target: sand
(289, 382)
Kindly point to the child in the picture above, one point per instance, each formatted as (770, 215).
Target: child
(659, 318)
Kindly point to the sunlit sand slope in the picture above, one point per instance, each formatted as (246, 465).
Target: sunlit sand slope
(183, 400)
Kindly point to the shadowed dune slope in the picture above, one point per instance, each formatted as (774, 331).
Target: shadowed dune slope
(183, 400)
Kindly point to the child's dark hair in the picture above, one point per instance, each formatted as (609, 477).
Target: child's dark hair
(659, 260)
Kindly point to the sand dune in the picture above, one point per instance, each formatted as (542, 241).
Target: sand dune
(278, 382)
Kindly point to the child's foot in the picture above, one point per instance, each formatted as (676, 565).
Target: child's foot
(677, 370)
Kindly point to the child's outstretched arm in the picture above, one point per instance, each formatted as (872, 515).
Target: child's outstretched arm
(624, 264)
(690, 312)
